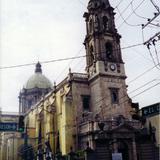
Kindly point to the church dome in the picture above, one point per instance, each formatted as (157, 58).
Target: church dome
(38, 80)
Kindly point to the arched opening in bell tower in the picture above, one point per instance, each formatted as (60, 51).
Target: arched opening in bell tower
(109, 51)
(92, 57)
(105, 23)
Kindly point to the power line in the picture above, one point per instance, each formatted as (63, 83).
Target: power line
(139, 53)
(143, 85)
(56, 60)
(131, 46)
(128, 93)
(131, 97)
(63, 59)
(153, 59)
(132, 25)
(148, 70)
(136, 13)
(69, 64)
(146, 90)
(119, 3)
(156, 54)
(124, 9)
(131, 14)
(152, 41)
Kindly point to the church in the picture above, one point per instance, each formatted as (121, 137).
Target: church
(89, 110)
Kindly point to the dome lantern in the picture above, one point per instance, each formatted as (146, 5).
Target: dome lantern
(38, 68)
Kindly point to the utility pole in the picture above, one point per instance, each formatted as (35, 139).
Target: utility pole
(153, 40)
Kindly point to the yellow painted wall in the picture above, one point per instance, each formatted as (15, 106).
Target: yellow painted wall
(155, 121)
(63, 120)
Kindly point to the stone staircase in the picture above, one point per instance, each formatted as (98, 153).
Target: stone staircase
(102, 152)
(148, 151)
(157, 153)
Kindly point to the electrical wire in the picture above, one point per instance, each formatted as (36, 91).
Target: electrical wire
(68, 65)
(131, 46)
(123, 11)
(143, 36)
(146, 90)
(143, 85)
(63, 59)
(132, 25)
(128, 93)
(145, 72)
(131, 14)
(81, 50)
(136, 13)
(154, 4)
(131, 97)
(139, 53)
(153, 59)
(56, 60)
(119, 3)
(156, 53)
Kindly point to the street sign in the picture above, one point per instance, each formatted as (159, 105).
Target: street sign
(8, 127)
(151, 110)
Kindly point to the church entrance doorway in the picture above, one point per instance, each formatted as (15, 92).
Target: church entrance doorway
(123, 148)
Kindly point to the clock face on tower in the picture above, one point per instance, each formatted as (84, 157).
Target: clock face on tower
(112, 67)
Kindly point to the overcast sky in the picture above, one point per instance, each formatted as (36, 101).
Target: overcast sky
(42, 30)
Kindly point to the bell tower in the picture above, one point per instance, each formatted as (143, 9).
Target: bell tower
(105, 66)
(102, 40)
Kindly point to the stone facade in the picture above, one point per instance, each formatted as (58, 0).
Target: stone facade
(90, 110)
(82, 102)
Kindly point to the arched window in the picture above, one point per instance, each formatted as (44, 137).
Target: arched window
(105, 23)
(96, 23)
(114, 95)
(91, 54)
(95, 5)
(103, 5)
(109, 51)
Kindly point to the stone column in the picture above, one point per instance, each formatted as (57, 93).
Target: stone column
(134, 149)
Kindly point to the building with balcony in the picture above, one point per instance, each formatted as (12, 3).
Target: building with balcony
(92, 109)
